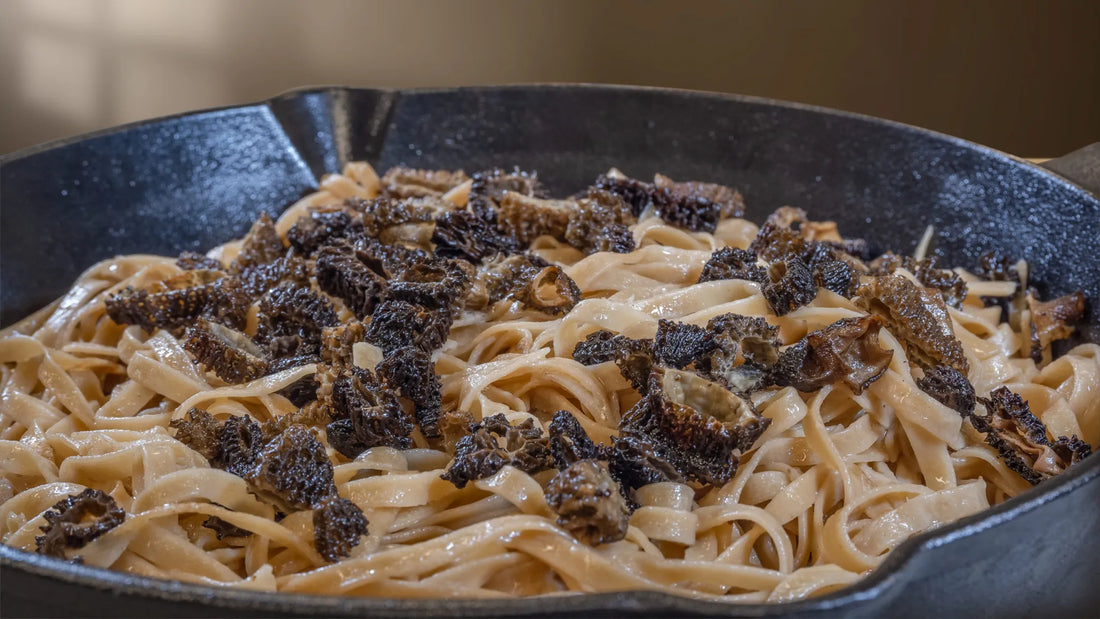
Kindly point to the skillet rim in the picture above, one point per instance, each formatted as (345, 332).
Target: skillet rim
(882, 580)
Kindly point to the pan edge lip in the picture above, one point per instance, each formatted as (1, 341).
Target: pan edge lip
(878, 582)
(298, 91)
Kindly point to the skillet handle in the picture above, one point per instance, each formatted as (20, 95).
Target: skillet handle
(1081, 167)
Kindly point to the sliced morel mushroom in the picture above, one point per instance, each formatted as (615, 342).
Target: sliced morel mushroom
(200, 431)
(366, 414)
(411, 371)
(550, 291)
(261, 245)
(435, 283)
(601, 224)
(223, 529)
(240, 440)
(589, 502)
(465, 235)
(790, 285)
(341, 274)
(76, 520)
(525, 218)
(697, 426)
(729, 200)
(320, 228)
(1051, 321)
(396, 324)
(690, 210)
(338, 524)
(846, 351)
(569, 443)
(230, 354)
(493, 444)
(414, 183)
(194, 261)
(918, 316)
(1021, 438)
(746, 348)
(172, 303)
(292, 471)
(949, 387)
(291, 320)
(733, 263)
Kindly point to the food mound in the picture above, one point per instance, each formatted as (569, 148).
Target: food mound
(439, 384)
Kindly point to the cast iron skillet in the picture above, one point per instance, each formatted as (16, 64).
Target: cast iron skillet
(195, 180)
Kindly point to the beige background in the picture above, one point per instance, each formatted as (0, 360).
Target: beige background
(1020, 76)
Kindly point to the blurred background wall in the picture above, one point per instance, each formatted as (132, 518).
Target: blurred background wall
(1020, 76)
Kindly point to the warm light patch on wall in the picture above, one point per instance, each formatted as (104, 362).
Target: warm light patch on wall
(46, 60)
(195, 26)
(140, 86)
(68, 13)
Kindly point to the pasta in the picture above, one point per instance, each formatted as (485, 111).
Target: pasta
(841, 471)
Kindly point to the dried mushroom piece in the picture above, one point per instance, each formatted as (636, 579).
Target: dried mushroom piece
(702, 445)
(918, 316)
(321, 227)
(493, 444)
(467, 236)
(569, 443)
(846, 351)
(261, 245)
(1021, 438)
(223, 529)
(411, 371)
(338, 524)
(949, 387)
(76, 520)
(790, 285)
(601, 223)
(230, 354)
(396, 324)
(524, 218)
(366, 414)
(341, 274)
(1051, 321)
(401, 182)
(292, 471)
(733, 263)
(589, 502)
(312, 415)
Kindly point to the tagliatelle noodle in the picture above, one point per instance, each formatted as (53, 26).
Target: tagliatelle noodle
(835, 482)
